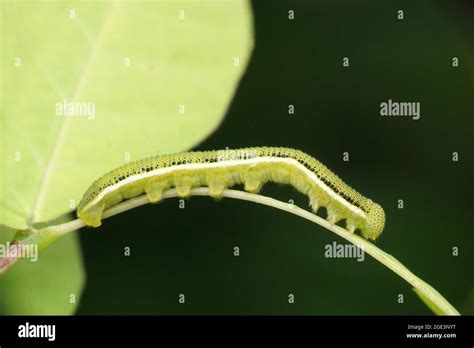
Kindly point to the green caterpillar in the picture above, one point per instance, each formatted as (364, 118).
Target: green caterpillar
(220, 170)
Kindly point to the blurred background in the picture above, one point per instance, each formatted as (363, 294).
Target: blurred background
(336, 109)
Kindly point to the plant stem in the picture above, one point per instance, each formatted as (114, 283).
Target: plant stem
(437, 300)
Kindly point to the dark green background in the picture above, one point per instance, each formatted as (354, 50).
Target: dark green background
(336, 109)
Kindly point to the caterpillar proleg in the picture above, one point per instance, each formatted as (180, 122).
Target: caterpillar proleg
(223, 169)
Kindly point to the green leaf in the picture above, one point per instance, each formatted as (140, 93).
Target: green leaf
(182, 56)
(159, 76)
(46, 286)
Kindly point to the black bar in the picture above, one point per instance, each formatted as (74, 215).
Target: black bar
(241, 329)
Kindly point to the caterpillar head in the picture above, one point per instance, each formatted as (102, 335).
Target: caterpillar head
(375, 222)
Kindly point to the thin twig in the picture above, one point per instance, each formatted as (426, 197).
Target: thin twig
(54, 232)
